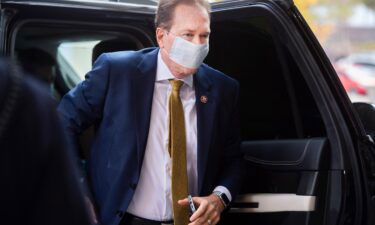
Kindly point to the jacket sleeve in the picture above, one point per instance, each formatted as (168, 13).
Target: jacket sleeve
(232, 158)
(83, 105)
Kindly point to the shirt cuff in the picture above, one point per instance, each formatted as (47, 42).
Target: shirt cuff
(224, 190)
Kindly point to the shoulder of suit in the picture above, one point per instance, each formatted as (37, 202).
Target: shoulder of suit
(218, 76)
(128, 58)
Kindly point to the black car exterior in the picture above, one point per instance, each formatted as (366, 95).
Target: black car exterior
(309, 159)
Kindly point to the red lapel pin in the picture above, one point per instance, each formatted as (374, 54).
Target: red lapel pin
(204, 99)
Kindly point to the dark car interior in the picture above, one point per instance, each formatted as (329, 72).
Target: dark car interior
(284, 136)
(285, 139)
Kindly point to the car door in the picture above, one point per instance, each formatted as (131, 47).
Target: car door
(300, 137)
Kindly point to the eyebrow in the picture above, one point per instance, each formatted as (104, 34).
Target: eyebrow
(188, 30)
(192, 31)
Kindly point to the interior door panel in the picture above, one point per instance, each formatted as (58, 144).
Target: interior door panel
(285, 183)
(286, 155)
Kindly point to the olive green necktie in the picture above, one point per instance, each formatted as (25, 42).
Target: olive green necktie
(177, 150)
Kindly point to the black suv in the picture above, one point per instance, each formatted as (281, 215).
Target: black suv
(310, 156)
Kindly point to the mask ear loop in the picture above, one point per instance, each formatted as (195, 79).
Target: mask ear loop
(168, 32)
(163, 49)
(166, 52)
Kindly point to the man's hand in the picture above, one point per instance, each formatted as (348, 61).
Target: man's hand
(208, 212)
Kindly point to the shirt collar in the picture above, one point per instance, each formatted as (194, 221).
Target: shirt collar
(163, 73)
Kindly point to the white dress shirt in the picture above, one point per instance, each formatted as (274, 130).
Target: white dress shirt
(153, 196)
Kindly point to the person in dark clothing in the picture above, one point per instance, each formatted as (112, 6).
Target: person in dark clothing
(39, 63)
(39, 179)
(42, 66)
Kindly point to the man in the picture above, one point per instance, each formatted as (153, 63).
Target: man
(39, 179)
(168, 126)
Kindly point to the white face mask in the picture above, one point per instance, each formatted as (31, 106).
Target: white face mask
(188, 54)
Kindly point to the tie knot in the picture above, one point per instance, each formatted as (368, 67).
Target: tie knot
(176, 84)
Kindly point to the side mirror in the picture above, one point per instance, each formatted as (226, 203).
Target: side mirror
(366, 113)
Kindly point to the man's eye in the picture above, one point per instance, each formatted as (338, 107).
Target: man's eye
(188, 35)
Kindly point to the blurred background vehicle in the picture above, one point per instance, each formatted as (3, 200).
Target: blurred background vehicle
(360, 69)
(363, 61)
(354, 84)
(346, 31)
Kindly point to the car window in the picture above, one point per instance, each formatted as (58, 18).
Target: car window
(75, 59)
(61, 56)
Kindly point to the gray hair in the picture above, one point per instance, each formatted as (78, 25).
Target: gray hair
(166, 8)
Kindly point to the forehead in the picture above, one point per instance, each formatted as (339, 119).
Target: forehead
(191, 17)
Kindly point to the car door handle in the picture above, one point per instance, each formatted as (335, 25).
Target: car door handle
(262, 203)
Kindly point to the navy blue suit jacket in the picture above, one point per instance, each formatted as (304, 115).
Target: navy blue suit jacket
(117, 96)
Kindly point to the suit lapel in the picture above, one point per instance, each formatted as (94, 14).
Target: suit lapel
(205, 104)
(143, 86)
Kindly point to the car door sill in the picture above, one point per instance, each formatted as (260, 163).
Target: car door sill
(267, 202)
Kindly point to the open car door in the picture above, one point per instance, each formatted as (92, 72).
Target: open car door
(300, 136)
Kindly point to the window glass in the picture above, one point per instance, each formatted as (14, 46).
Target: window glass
(75, 58)
(61, 56)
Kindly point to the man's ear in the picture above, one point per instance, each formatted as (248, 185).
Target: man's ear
(159, 36)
